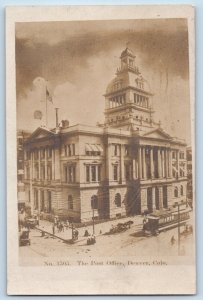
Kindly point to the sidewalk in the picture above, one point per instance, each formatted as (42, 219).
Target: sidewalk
(99, 229)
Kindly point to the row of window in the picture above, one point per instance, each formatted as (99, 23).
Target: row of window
(178, 193)
(94, 201)
(140, 84)
(93, 173)
(39, 153)
(141, 100)
(117, 147)
(69, 150)
(181, 155)
(181, 173)
(42, 174)
(117, 100)
(70, 173)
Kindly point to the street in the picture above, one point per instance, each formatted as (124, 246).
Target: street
(130, 243)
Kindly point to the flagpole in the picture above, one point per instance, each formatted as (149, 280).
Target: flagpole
(46, 106)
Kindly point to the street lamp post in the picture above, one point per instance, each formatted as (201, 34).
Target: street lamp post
(178, 205)
(178, 229)
(93, 220)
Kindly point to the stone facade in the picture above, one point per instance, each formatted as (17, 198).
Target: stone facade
(123, 167)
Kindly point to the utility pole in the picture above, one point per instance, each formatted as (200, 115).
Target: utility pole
(72, 230)
(57, 123)
(178, 229)
(93, 219)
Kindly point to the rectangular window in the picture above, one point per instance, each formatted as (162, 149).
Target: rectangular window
(93, 173)
(49, 172)
(69, 174)
(88, 173)
(115, 150)
(73, 148)
(115, 172)
(173, 155)
(65, 174)
(28, 172)
(73, 176)
(135, 98)
(127, 150)
(69, 150)
(99, 173)
(181, 155)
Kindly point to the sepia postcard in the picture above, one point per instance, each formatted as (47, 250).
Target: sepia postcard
(100, 150)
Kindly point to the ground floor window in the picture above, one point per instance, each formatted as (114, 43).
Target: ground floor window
(70, 202)
(176, 192)
(49, 208)
(94, 202)
(115, 172)
(118, 200)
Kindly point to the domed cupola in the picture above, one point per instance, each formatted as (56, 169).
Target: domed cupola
(128, 96)
(127, 52)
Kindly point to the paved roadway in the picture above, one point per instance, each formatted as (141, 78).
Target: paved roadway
(125, 244)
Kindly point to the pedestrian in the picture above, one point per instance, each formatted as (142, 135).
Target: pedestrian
(172, 240)
(53, 229)
(86, 233)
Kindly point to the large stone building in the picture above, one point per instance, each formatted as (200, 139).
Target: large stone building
(123, 167)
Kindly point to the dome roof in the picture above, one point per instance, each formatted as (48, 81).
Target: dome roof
(126, 79)
(126, 52)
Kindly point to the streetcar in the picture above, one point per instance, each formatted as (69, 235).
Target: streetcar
(159, 221)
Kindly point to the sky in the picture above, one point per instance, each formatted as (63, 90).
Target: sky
(77, 60)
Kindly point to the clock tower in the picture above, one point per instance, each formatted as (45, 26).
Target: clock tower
(128, 99)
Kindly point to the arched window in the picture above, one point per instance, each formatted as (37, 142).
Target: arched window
(118, 200)
(94, 202)
(176, 192)
(181, 190)
(70, 202)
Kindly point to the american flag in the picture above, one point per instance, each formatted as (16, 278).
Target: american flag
(48, 96)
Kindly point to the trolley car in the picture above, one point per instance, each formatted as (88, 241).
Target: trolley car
(165, 220)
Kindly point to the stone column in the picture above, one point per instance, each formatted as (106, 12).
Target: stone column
(45, 164)
(122, 167)
(33, 166)
(144, 163)
(39, 201)
(170, 164)
(57, 164)
(160, 197)
(53, 165)
(166, 162)
(162, 163)
(151, 163)
(39, 163)
(108, 165)
(31, 178)
(178, 163)
(140, 162)
(159, 163)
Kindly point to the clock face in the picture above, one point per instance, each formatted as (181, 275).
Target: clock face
(38, 115)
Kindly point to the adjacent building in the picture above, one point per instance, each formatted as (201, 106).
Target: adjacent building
(123, 167)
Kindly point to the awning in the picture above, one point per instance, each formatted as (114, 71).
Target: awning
(100, 149)
(88, 148)
(93, 147)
